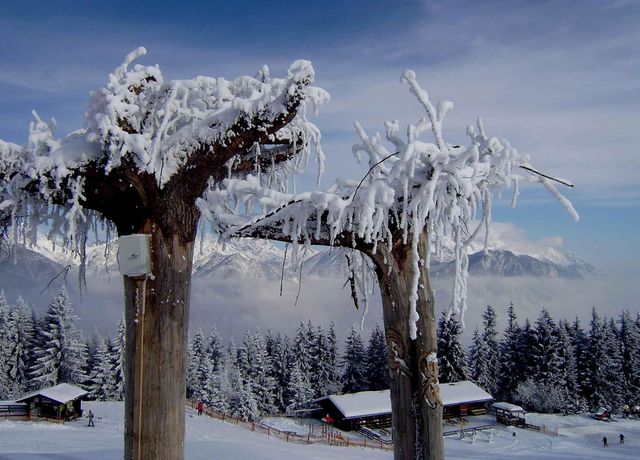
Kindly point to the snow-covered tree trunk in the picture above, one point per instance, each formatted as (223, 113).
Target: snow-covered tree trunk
(413, 366)
(157, 317)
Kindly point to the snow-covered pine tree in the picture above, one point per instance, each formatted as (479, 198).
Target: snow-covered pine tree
(246, 407)
(61, 356)
(102, 375)
(545, 350)
(525, 343)
(377, 360)
(19, 360)
(234, 379)
(511, 366)
(320, 378)
(479, 371)
(580, 343)
(569, 368)
(544, 390)
(614, 376)
(118, 359)
(299, 391)
(332, 359)
(196, 350)
(219, 386)
(452, 358)
(630, 353)
(354, 374)
(490, 336)
(244, 357)
(214, 349)
(302, 350)
(597, 362)
(261, 376)
(280, 359)
(7, 333)
(202, 388)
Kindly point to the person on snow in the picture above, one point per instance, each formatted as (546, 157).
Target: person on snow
(90, 416)
(604, 442)
(621, 438)
(200, 407)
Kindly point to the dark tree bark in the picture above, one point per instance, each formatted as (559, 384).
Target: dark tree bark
(157, 318)
(415, 396)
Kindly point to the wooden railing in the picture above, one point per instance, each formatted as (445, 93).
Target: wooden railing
(469, 430)
(542, 429)
(331, 437)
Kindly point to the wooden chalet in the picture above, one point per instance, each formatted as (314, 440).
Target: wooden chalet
(509, 414)
(373, 408)
(60, 402)
(461, 399)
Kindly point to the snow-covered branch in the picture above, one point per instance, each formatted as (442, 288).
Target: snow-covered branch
(143, 132)
(415, 186)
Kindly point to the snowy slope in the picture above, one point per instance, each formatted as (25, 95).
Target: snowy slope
(208, 439)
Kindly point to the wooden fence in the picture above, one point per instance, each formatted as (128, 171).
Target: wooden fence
(13, 411)
(542, 429)
(470, 430)
(330, 438)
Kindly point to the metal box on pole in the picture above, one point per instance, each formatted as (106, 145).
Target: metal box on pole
(134, 255)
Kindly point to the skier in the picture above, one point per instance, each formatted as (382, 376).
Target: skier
(200, 407)
(90, 416)
(621, 438)
(604, 442)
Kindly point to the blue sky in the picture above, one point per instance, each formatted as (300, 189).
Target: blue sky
(559, 79)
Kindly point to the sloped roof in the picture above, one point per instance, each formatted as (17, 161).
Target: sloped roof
(462, 392)
(507, 406)
(370, 403)
(62, 393)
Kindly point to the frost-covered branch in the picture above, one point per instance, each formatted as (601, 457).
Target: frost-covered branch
(414, 187)
(145, 137)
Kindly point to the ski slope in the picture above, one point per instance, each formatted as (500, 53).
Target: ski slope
(208, 439)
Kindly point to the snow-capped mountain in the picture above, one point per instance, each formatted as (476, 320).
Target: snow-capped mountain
(501, 262)
(255, 259)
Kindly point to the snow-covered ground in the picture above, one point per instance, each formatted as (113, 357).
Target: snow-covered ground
(580, 438)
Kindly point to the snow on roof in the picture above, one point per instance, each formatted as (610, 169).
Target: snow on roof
(10, 403)
(363, 403)
(507, 406)
(61, 393)
(370, 403)
(462, 392)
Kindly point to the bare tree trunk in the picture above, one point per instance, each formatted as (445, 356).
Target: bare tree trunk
(157, 318)
(415, 399)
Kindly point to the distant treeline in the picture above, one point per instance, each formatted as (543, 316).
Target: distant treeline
(548, 366)
(545, 366)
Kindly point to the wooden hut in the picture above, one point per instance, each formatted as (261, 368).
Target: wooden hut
(60, 402)
(373, 408)
(509, 414)
(461, 399)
